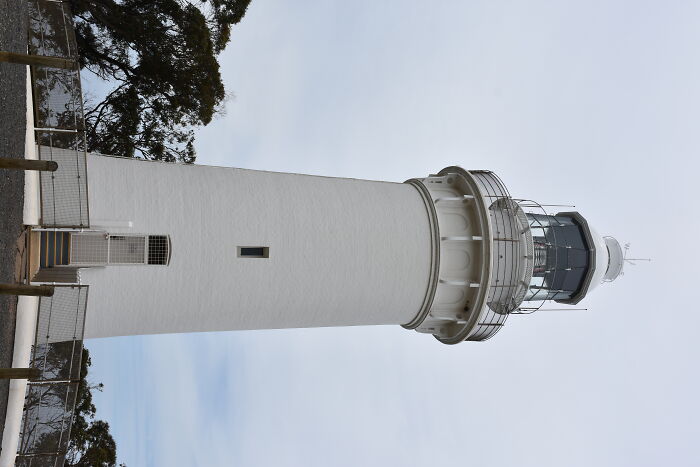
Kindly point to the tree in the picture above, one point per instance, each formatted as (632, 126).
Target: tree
(91, 443)
(161, 56)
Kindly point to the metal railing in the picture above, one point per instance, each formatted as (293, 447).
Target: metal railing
(59, 130)
(511, 256)
(58, 116)
(51, 398)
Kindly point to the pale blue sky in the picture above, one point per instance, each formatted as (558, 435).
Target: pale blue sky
(592, 103)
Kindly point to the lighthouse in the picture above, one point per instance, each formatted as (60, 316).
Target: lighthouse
(173, 248)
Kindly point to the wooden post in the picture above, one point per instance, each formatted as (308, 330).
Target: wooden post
(31, 290)
(39, 60)
(19, 373)
(28, 164)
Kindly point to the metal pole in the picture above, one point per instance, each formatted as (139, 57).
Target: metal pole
(28, 164)
(19, 373)
(31, 290)
(39, 60)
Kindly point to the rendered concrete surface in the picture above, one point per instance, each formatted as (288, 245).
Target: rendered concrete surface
(343, 252)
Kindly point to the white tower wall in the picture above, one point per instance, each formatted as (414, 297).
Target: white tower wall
(342, 252)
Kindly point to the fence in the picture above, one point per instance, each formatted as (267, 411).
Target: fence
(511, 256)
(59, 130)
(50, 400)
(58, 116)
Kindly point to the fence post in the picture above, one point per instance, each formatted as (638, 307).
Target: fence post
(39, 60)
(28, 164)
(31, 290)
(19, 373)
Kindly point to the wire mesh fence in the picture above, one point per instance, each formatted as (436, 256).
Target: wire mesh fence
(50, 400)
(59, 130)
(58, 116)
(63, 192)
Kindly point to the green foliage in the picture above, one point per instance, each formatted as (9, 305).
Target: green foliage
(162, 57)
(91, 443)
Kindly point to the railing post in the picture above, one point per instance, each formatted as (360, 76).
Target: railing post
(31, 290)
(39, 60)
(28, 164)
(19, 373)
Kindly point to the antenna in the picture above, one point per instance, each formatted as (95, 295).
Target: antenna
(529, 311)
(549, 205)
(632, 260)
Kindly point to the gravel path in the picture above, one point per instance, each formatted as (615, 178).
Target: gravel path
(13, 38)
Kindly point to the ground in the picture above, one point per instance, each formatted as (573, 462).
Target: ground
(13, 38)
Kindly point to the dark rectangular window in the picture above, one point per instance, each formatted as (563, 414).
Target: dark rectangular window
(253, 252)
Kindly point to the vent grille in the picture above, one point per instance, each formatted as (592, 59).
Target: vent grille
(158, 249)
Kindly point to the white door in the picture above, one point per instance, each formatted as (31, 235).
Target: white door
(100, 248)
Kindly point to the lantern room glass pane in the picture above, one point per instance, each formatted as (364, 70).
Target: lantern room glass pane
(561, 257)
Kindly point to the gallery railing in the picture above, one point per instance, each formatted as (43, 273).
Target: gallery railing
(51, 398)
(58, 116)
(511, 256)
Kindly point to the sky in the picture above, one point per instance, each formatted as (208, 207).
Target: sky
(592, 103)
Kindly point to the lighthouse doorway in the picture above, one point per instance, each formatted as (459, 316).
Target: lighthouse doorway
(89, 249)
(101, 249)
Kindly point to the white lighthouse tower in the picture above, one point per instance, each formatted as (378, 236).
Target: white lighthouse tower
(187, 248)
